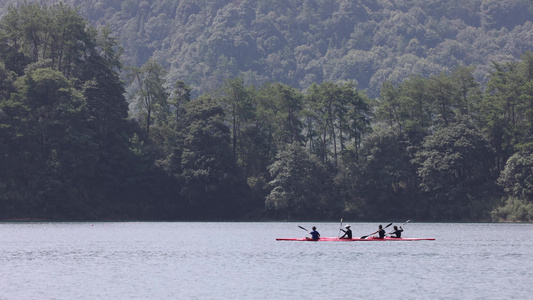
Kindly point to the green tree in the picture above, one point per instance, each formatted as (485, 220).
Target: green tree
(150, 94)
(6, 82)
(506, 112)
(388, 106)
(517, 180)
(209, 173)
(469, 91)
(356, 123)
(178, 99)
(279, 110)
(335, 115)
(169, 136)
(415, 102)
(237, 103)
(384, 177)
(59, 150)
(300, 184)
(11, 119)
(57, 33)
(455, 172)
(517, 177)
(68, 130)
(329, 110)
(444, 98)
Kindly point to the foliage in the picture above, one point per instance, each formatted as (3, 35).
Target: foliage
(335, 115)
(517, 180)
(513, 210)
(286, 130)
(385, 177)
(517, 177)
(150, 95)
(507, 109)
(208, 169)
(300, 184)
(299, 43)
(64, 120)
(454, 166)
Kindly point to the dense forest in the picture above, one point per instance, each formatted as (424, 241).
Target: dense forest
(260, 110)
(300, 42)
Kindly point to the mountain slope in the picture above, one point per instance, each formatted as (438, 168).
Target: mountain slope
(203, 42)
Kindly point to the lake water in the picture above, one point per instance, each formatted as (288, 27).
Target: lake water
(186, 260)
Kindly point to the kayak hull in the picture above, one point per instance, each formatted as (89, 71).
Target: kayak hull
(336, 239)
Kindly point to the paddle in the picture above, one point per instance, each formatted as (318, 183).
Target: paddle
(365, 236)
(303, 228)
(340, 228)
(400, 226)
(405, 222)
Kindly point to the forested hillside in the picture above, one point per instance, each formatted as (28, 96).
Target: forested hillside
(298, 42)
(314, 110)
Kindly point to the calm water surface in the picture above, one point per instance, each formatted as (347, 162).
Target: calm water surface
(244, 261)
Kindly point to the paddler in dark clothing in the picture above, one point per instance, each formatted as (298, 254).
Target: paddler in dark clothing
(397, 232)
(347, 232)
(314, 234)
(380, 232)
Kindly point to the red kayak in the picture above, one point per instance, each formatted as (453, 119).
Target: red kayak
(336, 239)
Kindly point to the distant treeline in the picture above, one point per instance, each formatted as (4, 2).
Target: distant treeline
(74, 145)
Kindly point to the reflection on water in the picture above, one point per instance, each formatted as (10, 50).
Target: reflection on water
(244, 261)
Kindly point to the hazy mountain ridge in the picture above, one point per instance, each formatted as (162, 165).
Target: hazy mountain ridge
(301, 42)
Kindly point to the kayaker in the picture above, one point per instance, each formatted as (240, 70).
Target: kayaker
(314, 234)
(347, 232)
(380, 232)
(397, 232)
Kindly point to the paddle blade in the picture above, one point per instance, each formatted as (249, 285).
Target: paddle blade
(364, 237)
(387, 225)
